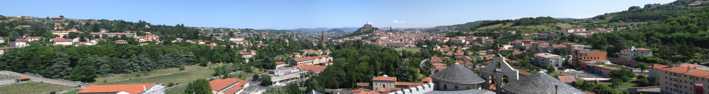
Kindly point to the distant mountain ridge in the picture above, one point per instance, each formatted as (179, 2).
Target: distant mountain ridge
(342, 29)
(634, 14)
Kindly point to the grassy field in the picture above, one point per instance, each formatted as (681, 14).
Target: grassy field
(179, 78)
(31, 88)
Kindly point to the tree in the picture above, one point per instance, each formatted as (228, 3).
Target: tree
(200, 86)
(220, 71)
(266, 80)
(83, 73)
(632, 8)
(623, 75)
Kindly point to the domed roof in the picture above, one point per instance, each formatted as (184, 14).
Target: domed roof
(456, 73)
(540, 83)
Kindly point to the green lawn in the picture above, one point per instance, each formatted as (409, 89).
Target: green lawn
(177, 89)
(31, 88)
(180, 78)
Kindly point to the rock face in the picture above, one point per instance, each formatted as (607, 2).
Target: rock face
(367, 28)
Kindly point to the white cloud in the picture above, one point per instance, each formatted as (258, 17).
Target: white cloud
(398, 21)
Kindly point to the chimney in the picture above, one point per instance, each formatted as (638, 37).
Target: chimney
(556, 89)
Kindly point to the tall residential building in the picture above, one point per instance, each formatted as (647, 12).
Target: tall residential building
(682, 78)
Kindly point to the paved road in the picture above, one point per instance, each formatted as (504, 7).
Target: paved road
(254, 88)
(41, 79)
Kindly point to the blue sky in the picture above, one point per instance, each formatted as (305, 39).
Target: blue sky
(287, 14)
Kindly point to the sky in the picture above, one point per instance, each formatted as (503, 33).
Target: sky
(290, 14)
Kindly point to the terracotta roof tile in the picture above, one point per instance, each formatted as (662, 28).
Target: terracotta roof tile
(686, 69)
(317, 69)
(384, 78)
(221, 84)
(130, 88)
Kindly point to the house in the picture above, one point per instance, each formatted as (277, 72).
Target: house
(383, 82)
(315, 69)
(238, 40)
(31, 38)
(19, 43)
(627, 56)
(548, 60)
(247, 54)
(590, 56)
(227, 85)
(149, 37)
(2, 40)
(104, 33)
(314, 60)
(390, 85)
(633, 52)
(285, 75)
(120, 42)
(3, 50)
(62, 41)
(137, 88)
(437, 64)
(312, 52)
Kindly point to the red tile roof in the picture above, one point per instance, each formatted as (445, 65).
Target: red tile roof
(130, 88)
(685, 69)
(221, 84)
(384, 78)
(567, 79)
(307, 58)
(317, 69)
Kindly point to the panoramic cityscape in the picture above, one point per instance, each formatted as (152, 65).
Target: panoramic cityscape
(354, 47)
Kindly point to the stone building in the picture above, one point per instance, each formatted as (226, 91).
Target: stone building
(456, 77)
(538, 83)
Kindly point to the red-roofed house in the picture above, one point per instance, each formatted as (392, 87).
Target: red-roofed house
(437, 63)
(317, 69)
(63, 41)
(149, 37)
(313, 60)
(142, 88)
(227, 85)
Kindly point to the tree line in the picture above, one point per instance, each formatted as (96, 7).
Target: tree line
(85, 63)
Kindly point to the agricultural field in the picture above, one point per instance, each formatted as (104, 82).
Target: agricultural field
(32, 88)
(174, 78)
